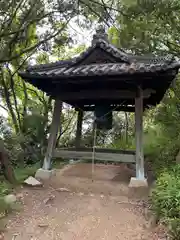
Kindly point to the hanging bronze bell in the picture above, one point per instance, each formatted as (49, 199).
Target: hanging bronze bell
(103, 117)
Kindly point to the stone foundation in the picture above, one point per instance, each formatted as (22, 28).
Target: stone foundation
(44, 174)
(134, 182)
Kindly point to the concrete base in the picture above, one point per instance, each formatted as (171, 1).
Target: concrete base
(134, 182)
(44, 174)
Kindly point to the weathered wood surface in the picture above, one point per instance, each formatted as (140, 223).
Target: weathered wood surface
(98, 149)
(139, 135)
(53, 134)
(113, 108)
(103, 94)
(99, 155)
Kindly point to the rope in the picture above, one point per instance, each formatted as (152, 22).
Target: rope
(94, 139)
(94, 149)
(94, 142)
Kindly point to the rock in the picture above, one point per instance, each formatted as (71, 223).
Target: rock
(31, 181)
(43, 174)
(10, 199)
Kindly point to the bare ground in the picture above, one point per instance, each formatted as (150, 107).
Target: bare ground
(103, 209)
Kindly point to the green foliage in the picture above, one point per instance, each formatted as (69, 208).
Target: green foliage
(160, 151)
(24, 173)
(166, 200)
(5, 187)
(121, 143)
(174, 228)
(6, 208)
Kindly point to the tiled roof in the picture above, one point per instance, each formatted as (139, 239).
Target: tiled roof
(104, 59)
(120, 55)
(104, 69)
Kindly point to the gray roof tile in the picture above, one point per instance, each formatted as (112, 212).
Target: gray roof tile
(105, 69)
(70, 67)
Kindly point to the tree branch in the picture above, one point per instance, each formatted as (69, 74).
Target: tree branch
(14, 95)
(3, 107)
(31, 48)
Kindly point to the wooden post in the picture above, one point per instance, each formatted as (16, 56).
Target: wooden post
(53, 134)
(79, 128)
(139, 135)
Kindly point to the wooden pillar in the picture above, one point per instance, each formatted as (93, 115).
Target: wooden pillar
(79, 128)
(53, 134)
(139, 135)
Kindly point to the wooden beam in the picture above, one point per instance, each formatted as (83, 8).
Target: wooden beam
(53, 134)
(102, 94)
(100, 156)
(139, 135)
(114, 108)
(79, 128)
(102, 150)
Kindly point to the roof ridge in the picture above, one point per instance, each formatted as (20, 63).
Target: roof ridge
(118, 53)
(109, 48)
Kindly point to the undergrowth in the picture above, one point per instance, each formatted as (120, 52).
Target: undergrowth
(21, 174)
(166, 200)
(161, 151)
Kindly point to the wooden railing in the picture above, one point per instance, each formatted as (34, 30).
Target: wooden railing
(101, 154)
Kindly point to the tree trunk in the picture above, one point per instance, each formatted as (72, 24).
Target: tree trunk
(6, 165)
(25, 106)
(9, 105)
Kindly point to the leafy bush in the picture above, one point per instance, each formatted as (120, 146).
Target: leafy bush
(23, 173)
(5, 188)
(161, 151)
(166, 200)
(174, 228)
(6, 208)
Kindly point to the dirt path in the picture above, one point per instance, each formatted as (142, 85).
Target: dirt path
(97, 210)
